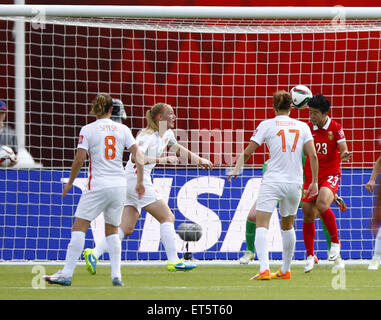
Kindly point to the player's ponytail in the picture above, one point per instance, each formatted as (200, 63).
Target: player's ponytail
(101, 104)
(282, 100)
(152, 115)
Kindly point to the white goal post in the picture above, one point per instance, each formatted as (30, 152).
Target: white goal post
(286, 12)
(218, 67)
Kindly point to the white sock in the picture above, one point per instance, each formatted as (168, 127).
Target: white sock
(121, 234)
(168, 237)
(115, 252)
(102, 247)
(74, 250)
(261, 248)
(289, 241)
(377, 246)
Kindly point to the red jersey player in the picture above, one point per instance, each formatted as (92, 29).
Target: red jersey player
(331, 148)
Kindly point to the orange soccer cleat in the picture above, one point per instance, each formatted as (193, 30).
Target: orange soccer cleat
(340, 203)
(265, 275)
(280, 275)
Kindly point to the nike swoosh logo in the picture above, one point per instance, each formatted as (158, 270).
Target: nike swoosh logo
(92, 259)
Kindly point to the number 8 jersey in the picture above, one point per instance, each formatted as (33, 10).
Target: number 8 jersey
(105, 141)
(326, 141)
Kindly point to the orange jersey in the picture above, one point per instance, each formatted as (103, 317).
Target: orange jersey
(326, 141)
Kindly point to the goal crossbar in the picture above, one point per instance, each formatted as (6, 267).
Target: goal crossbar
(287, 12)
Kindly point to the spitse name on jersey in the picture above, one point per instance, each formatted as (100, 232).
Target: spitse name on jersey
(326, 141)
(285, 138)
(105, 141)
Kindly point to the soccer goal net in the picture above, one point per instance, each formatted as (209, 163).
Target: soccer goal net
(219, 75)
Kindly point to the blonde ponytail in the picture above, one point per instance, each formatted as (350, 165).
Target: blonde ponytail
(151, 116)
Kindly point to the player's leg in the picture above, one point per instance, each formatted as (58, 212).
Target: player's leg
(250, 236)
(74, 250)
(90, 205)
(129, 218)
(163, 214)
(323, 202)
(263, 220)
(326, 235)
(268, 197)
(113, 218)
(114, 250)
(375, 262)
(309, 214)
(289, 242)
(76, 245)
(288, 207)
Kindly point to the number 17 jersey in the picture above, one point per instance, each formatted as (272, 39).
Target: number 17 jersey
(285, 137)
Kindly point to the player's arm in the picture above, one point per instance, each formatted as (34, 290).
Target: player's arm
(79, 158)
(309, 149)
(345, 155)
(183, 152)
(149, 159)
(167, 159)
(244, 156)
(375, 172)
(138, 156)
(376, 218)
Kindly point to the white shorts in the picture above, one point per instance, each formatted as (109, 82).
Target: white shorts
(151, 195)
(287, 194)
(110, 201)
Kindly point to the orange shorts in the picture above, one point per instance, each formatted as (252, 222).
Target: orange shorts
(331, 182)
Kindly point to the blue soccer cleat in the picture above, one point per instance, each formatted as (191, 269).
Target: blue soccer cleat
(180, 265)
(116, 282)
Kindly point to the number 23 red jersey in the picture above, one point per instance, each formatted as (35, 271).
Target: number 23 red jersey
(326, 141)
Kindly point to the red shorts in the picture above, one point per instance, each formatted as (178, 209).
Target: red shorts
(331, 182)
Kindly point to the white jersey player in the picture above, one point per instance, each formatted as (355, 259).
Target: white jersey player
(104, 141)
(153, 141)
(282, 182)
(152, 145)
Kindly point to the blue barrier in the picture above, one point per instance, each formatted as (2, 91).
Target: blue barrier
(35, 222)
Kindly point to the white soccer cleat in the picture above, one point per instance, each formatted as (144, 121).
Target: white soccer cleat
(247, 257)
(334, 252)
(58, 278)
(311, 260)
(373, 264)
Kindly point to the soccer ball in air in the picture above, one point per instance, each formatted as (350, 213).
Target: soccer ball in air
(6, 155)
(300, 96)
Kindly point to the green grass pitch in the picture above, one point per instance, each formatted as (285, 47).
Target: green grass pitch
(207, 282)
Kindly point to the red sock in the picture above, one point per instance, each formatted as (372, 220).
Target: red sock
(309, 237)
(329, 220)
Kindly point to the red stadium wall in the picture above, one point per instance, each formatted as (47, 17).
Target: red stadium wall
(149, 77)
